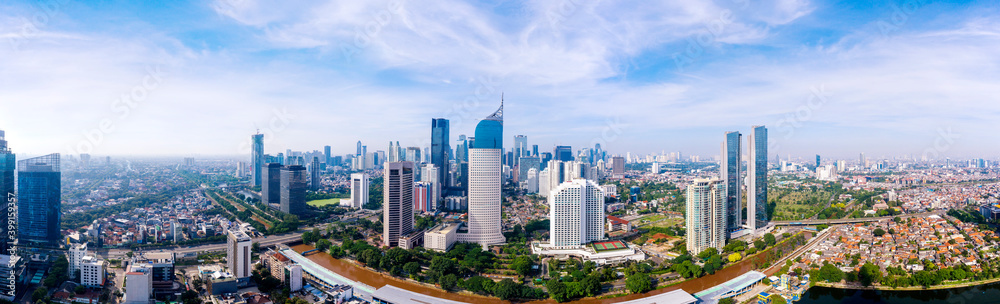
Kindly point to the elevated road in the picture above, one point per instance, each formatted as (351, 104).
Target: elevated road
(215, 247)
(853, 220)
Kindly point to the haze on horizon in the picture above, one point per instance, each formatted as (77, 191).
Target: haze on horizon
(887, 78)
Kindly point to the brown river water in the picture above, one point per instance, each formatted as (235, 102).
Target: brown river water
(377, 280)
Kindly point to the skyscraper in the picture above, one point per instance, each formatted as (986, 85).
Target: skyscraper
(706, 216)
(462, 150)
(293, 190)
(524, 164)
(397, 206)
(576, 213)
(520, 146)
(270, 189)
(757, 175)
(484, 182)
(430, 175)
(817, 160)
(7, 164)
(359, 190)
(238, 245)
(534, 150)
(257, 157)
(39, 201)
(732, 175)
(326, 153)
(439, 149)
(563, 153)
(360, 152)
(314, 180)
(617, 165)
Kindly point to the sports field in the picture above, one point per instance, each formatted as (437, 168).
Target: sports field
(605, 246)
(321, 203)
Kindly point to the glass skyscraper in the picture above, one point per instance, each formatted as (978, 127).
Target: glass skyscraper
(257, 157)
(439, 149)
(757, 174)
(563, 153)
(39, 201)
(7, 165)
(732, 175)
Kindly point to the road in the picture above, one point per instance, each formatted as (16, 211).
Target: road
(180, 250)
(850, 221)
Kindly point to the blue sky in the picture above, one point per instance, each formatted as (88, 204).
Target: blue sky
(888, 78)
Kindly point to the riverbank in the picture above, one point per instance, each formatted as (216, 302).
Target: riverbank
(911, 288)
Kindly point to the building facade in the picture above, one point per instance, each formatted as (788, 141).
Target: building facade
(39, 201)
(397, 202)
(257, 158)
(732, 175)
(293, 190)
(576, 213)
(706, 216)
(757, 178)
(485, 179)
(440, 149)
(8, 161)
(270, 188)
(238, 255)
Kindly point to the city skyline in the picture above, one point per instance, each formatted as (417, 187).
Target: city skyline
(641, 84)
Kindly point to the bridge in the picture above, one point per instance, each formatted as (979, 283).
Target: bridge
(852, 220)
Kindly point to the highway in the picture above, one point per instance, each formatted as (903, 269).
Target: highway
(851, 221)
(181, 250)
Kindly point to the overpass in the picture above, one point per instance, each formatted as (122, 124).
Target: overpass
(266, 241)
(852, 220)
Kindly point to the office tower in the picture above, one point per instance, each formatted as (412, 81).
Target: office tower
(530, 184)
(862, 162)
(841, 165)
(7, 164)
(618, 165)
(546, 157)
(397, 206)
(576, 213)
(326, 154)
(280, 159)
(360, 152)
(293, 190)
(598, 152)
(257, 157)
(524, 164)
(314, 180)
(706, 216)
(270, 190)
(757, 177)
(534, 150)
(392, 157)
(575, 170)
(421, 196)
(238, 253)
(439, 149)
(557, 174)
(544, 183)
(732, 176)
(485, 181)
(462, 149)
(413, 155)
(656, 168)
(430, 175)
(563, 153)
(817, 160)
(138, 284)
(359, 190)
(520, 146)
(39, 201)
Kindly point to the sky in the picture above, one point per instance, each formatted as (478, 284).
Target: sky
(884, 77)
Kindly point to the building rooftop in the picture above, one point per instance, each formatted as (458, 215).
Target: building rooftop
(673, 297)
(396, 295)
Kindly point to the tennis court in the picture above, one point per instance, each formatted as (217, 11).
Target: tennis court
(613, 245)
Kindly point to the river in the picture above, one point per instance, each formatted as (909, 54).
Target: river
(378, 280)
(984, 294)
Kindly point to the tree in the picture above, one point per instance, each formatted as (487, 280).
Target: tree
(869, 273)
(591, 285)
(769, 239)
(879, 232)
(830, 273)
(708, 253)
(448, 282)
(80, 289)
(522, 265)
(323, 244)
(39, 294)
(557, 290)
(727, 301)
(507, 289)
(733, 258)
(760, 245)
(777, 299)
(638, 283)
(398, 256)
(412, 268)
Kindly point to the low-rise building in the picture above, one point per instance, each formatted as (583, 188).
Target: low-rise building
(442, 236)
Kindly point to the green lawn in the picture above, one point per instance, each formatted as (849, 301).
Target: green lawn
(321, 203)
(668, 223)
